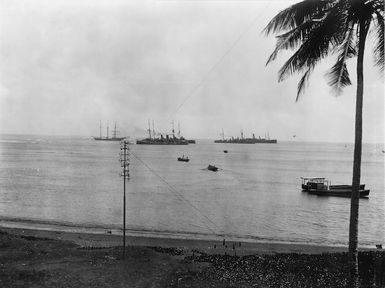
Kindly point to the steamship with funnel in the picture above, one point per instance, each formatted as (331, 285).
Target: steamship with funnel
(114, 137)
(244, 140)
(167, 139)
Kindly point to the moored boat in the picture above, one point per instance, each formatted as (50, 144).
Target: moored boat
(321, 186)
(183, 159)
(338, 192)
(362, 186)
(212, 168)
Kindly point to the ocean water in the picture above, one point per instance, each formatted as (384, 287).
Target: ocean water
(255, 196)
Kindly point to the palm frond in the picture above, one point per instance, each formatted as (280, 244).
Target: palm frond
(317, 28)
(379, 41)
(291, 39)
(330, 32)
(378, 5)
(297, 14)
(303, 83)
(338, 75)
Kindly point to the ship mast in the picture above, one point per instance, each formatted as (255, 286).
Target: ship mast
(178, 129)
(149, 128)
(173, 130)
(153, 128)
(107, 130)
(100, 128)
(223, 134)
(114, 132)
(241, 133)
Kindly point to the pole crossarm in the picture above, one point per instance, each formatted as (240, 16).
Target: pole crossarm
(125, 164)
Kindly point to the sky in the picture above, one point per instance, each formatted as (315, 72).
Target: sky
(67, 65)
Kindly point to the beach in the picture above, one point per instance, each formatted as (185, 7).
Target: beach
(46, 258)
(110, 240)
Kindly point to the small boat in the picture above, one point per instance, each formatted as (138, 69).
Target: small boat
(212, 168)
(183, 159)
(225, 151)
(322, 187)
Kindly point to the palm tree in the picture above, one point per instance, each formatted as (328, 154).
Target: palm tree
(317, 29)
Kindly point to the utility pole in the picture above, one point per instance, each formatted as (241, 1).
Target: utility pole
(125, 164)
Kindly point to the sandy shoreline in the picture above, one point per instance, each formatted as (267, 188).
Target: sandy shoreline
(207, 246)
(47, 258)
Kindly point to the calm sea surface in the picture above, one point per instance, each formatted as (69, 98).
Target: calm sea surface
(256, 196)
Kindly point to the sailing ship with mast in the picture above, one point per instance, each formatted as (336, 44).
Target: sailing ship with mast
(243, 140)
(114, 137)
(167, 139)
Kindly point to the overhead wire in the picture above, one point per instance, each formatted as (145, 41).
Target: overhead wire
(200, 83)
(180, 196)
(188, 96)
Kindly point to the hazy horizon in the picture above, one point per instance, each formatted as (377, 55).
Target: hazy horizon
(66, 65)
(197, 139)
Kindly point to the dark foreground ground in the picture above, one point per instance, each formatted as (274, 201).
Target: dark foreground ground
(30, 261)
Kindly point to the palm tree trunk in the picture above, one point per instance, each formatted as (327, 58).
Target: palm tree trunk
(354, 205)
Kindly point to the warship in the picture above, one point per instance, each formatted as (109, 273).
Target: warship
(243, 140)
(167, 139)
